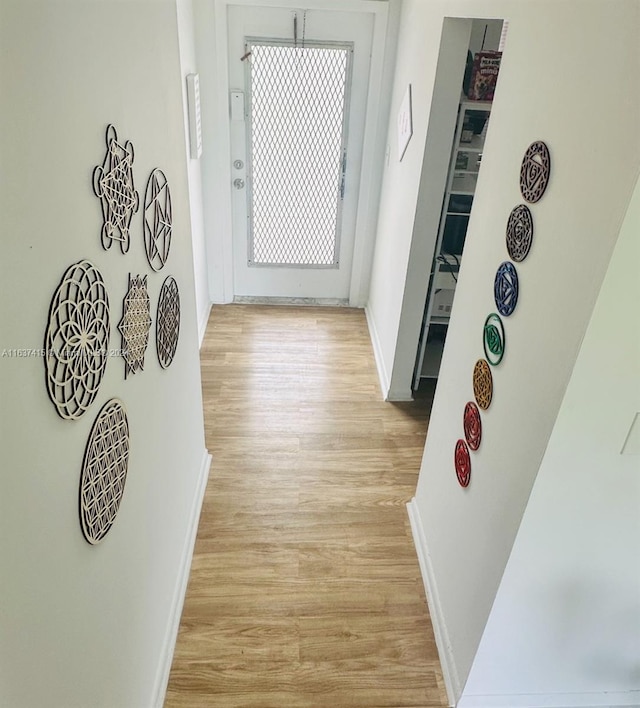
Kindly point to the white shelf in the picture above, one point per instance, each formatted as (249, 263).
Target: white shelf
(444, 280)
(476, 144)
(459, 182)
(468, 104)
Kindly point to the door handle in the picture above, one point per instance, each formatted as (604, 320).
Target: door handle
(238, 183)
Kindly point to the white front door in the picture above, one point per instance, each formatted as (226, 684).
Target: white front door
(299, 84)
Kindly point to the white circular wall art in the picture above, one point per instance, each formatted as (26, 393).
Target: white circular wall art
(113, 185)
(135, 324)
(77, 340)
(104, 471)
(168, 322)
(157, 219)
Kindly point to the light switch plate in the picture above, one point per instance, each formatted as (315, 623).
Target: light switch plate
(237, 105)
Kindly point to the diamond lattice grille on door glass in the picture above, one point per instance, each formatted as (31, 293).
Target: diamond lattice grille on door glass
(298, 98)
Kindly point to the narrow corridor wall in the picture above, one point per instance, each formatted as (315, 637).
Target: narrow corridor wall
(588, 118)
(85, 625)
(566, 619)
(189, 65)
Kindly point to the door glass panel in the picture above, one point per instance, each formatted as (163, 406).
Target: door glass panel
(297, 152)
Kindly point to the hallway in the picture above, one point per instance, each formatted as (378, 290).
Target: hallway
(305, 588)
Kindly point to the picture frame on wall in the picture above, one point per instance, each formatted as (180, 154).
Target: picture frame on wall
(405, 123)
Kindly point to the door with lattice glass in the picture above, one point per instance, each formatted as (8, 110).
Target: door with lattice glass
(296, 148)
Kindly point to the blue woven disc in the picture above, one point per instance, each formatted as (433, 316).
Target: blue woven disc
(505, 288)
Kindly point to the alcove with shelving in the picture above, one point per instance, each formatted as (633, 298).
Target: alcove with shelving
(463, 171)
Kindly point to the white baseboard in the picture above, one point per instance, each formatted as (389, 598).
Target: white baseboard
(400, 395)
(202, 325)
(377, 353)
(171, 634)
(445, 651)
(628, 699)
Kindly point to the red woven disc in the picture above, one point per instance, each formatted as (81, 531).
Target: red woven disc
(463, 463)
(472, 424)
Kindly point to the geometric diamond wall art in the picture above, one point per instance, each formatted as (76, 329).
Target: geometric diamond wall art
(472, 425)
(462, 462)
(493, 339)
(167, 322)
(482, 384)
(505, 288)
(77, 340)
(104, 471)
(113, 185)
(135, 323)
(519, 233)
(535, 171)
(157, 219)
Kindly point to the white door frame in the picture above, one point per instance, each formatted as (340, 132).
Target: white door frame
(373, 141)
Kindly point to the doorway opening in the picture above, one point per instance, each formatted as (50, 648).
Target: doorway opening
(302, 109)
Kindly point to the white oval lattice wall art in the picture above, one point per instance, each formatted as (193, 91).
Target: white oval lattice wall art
(77, 340)
(104, 471)
(135, 324)
(168, 322)
(113, 185)
(157, 219)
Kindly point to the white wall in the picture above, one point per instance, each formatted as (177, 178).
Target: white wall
(571, 589)
(382, 65)
(440, 115)
(415, 65)
(79, 625)
(189, 65)
(210, 35)
(465, 536)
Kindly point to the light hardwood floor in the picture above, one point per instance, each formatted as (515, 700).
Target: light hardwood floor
(305, 588)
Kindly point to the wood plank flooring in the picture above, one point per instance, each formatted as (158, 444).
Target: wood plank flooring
(305, 589)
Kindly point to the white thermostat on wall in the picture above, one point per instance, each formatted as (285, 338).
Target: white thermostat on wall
(195, 125)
